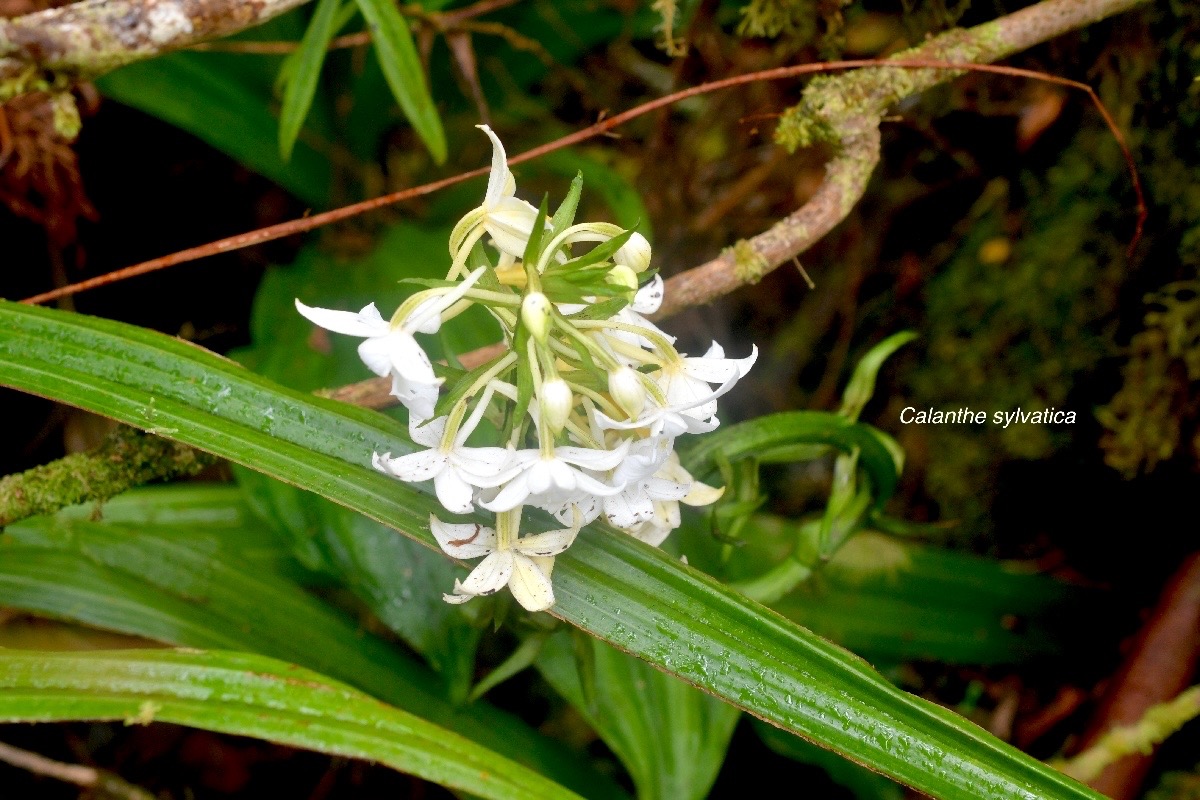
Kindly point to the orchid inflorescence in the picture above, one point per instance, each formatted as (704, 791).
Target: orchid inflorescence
(583, 408)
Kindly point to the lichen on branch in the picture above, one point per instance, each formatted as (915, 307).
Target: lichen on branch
(845, 111)
(51, 49)
(126, 459)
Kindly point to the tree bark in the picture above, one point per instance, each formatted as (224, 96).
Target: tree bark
(55, 48)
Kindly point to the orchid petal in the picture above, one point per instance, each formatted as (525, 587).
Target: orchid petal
(409, 359)
(586, 483)
(530, 586)
(701, 494)
(415, 467)
(662, 489)
(510, 224)
(651, 533)
(419, 398)
(511, 496)
(715, 368)
(365, 323)
(500, 181)
(428, 432)
(628, 509)
(576, 512)
(599, 460)
(550, 543)
(463, 541)
(490, 575)
(427, 316)
(376, 353)
(483, 462)
(648, 298)
(453, 492)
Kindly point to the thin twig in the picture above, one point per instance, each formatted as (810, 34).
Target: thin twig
(83, 777)
(694, 287)
(443, 22)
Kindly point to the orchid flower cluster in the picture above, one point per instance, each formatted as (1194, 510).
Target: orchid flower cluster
(577, 417)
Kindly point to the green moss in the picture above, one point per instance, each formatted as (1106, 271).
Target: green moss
(126, 459)
(748, 263)
(67, 122)
(1147, 418)
(1018, 330)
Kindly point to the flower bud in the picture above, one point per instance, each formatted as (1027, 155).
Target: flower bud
(535, 313)
(557, 402)
(635, 253)
(626, 389)
(626, 278)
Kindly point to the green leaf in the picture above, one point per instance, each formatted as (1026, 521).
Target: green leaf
(187, 588)
(533, 245)
(398, 579)
(402, 68)
(604, 182)
(207, 97)
(782, 432)
(172, 565)
(518, 661)
(893, 601)
(864, 784)
(564, 217)
(301, 84)
(636, 597)
(670, 736)
(291, 62)
(250, 695)
(600, 252)
(862, 382)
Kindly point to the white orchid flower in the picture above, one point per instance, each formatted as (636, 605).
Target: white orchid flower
(670, 420)
(456, 469)
(649, 509)
(685, 381)
(387, 351)
(390, 348)
(557, 479)
(638, 473)
(524, 567)
(507, 219)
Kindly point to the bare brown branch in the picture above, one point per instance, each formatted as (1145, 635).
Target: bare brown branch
(104, 783)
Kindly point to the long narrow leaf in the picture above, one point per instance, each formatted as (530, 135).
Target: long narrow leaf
(402, 69)
(617, 588)
(250, 695)
(302, 82)
(181, 583)
(670, 736)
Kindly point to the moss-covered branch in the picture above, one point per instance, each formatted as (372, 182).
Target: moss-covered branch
(126, 459)
(60, 46)
(845, 111)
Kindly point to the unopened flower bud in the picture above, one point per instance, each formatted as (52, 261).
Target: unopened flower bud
(626, 389)
(635, 253)
(624, 277)
(535, 313)
(557, 402)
